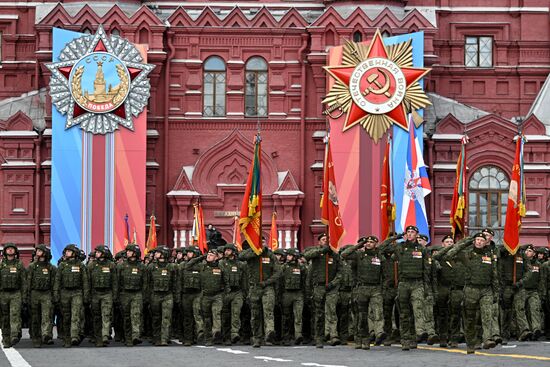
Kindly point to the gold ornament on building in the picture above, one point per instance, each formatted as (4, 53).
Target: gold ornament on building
(376, 86)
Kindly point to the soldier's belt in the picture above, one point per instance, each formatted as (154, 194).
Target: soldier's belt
(478, 285)
(368, 285)
(411, 280)
(212, 293)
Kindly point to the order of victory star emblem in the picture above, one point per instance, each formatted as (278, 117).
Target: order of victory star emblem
(100, 82)
(376, 86)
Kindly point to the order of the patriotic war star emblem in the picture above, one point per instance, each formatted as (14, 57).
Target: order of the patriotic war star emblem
(376, 86)
(100, 82)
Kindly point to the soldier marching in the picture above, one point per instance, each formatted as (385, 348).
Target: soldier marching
(397, 291)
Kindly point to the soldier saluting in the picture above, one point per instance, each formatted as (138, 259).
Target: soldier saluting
(481, 290)
(367, 265)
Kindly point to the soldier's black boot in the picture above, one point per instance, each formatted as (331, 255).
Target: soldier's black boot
(488, 344)
(380, 338)
(357, 343)
(432, 339)
(405, 345)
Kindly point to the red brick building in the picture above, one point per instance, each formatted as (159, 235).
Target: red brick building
(225, 67)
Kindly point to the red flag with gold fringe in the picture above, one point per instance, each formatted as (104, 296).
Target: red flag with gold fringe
(458, 204)
(516, 201)
(330, 210)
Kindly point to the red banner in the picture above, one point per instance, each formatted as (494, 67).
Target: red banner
(273, 236)
(330, 210)
(516, 201)
(152, 237)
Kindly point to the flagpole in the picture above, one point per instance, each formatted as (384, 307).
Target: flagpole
(261, 216)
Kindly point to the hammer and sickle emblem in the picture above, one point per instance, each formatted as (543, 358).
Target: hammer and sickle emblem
(382, 89)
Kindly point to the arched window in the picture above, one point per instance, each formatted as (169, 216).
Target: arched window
(255, 99)
(214, 87)
(488, 200)
(357, 36)
(115, 32)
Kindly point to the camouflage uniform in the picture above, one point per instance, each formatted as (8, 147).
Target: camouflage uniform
(450, 285)
(293, 281)
(190, 287)
(389, 293)
(12, 293)
(234, 298)
(367, 295)
(346, 309)
(263, 275)
(131, 275)
(414, 286)
(509, 299)
(213, 285)
(103, 286)
(530, 287)
(161, 286)
(325, 292)
(40, 279)
(71, 290)
(480, 293)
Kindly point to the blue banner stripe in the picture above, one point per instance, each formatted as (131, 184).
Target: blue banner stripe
(66, 185)
(401, 139)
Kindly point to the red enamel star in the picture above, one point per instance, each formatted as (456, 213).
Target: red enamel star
(377, 49)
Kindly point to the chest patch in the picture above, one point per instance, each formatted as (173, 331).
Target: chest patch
(164, 272)
(375, 261)
(216, 271)
(486, 259)
(519, 260)
(330, 261)
(45, 271)
(266, 260)
(135, 270)
(417, 254)
(13, 270)
(535, 269)
(75, 269)
(296, 271)
(105, 269)
(234, 269)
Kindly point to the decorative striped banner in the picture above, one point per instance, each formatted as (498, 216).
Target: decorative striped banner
(96, 179)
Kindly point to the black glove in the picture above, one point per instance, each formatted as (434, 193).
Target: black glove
(517, 285)
(400, 235)
(325, 250)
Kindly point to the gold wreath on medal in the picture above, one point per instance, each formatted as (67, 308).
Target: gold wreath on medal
(376, 86)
